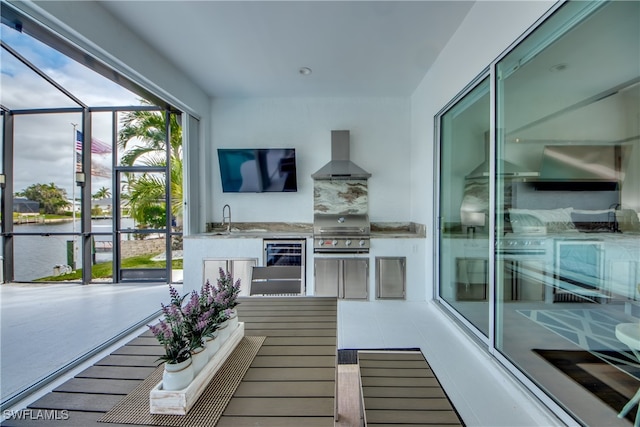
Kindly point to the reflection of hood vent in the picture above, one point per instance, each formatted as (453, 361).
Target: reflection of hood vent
(340, 166)
(507, 169)
(584, 162)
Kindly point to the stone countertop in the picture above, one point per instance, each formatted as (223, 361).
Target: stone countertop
(292, 230)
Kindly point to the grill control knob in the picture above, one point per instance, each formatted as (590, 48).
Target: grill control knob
(361, 243)
(341, 219)
(347, 243)
(320, 242)
(334, 242)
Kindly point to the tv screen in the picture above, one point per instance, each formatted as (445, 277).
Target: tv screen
(257, 170)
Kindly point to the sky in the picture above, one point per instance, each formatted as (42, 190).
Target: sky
(44, 143)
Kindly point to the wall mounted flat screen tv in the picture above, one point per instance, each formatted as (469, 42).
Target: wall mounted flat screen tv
(257, 170)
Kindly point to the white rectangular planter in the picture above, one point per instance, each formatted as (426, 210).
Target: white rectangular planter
(179, 402)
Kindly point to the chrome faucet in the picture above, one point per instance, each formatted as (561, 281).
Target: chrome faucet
(226, 217)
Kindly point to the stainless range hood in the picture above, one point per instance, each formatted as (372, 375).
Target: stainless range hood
(585, 162)
(340, 166)
(507, 169)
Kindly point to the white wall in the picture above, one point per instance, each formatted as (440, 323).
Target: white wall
(380, 142)
(489, 29)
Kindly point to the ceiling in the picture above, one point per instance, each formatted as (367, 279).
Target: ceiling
(256, 48)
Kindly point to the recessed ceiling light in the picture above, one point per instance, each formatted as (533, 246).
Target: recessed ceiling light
(558, 68)
(305, 71)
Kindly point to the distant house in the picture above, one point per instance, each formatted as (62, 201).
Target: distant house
(22, 205)
(70, 205)
(104, 204)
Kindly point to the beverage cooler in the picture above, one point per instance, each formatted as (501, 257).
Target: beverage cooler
(283, 269)
(284, 253)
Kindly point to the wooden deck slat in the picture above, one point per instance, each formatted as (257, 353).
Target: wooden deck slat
(407, 404)
(258, 314)
(413, 417)
(75, 419)
(244, 301)
(285, 388)
(144, 341)
(129, 360)
(116, 372)
(280, 406)
(290, 332)
(140, 350)
(312, 326)
(403, 392)
(259, 311)
(398, 372)
(399, 382)
(294, 362)
(86, 402)
(396, 425)
(299, 318)
(98, 386)
(282, 309)
(297, 350)
(393, 355)
(299, 341)
(290, 374)
(233, 421)
(399, 364)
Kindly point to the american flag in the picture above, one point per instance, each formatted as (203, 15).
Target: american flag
(97, 146)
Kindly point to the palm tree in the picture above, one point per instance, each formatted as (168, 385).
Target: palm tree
(142, 140)
(102, 193)
(149, 128)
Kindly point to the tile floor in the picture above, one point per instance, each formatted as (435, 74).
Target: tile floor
(43, 327)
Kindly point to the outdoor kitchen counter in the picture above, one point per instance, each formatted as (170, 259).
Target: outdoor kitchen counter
(285, 230)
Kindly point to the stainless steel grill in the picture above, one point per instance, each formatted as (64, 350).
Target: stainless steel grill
(333, 233)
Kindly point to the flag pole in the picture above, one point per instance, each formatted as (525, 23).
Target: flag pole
(73, 192)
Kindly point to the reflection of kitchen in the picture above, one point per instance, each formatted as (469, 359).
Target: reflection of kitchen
(567, 228)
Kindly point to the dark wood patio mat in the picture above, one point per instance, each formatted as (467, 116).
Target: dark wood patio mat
(134, 407)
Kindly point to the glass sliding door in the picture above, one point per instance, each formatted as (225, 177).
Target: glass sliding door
(568, 247)
(565, 293)
(464, 206)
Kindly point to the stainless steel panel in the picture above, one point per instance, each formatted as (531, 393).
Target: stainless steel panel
(342, 245)
(330, 224)
(355, 278)
(327, 276)
(342, 277)
(276, 280)
(391, 277)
